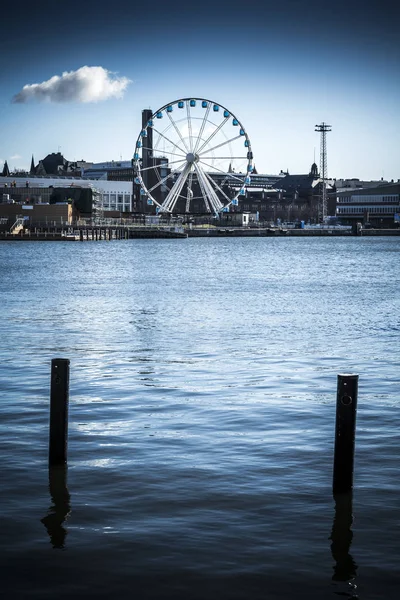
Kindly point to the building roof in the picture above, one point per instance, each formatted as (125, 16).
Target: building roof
(382, 190)
(52, 162)
(296, 182)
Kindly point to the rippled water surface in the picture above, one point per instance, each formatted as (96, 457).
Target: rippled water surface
(202, 408)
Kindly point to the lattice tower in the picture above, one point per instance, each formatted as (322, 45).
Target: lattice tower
(323, 128)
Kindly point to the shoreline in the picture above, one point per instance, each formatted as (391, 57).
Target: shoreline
(151, 233)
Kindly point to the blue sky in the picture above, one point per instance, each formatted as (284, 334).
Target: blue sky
(280, 69)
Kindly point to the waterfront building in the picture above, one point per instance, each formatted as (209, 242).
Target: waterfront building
(111, 195)
(377, 206)
(236, 219)
(110, 170)
(288, 198)
(37, 215)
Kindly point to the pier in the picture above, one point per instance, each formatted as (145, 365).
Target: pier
(86, 233)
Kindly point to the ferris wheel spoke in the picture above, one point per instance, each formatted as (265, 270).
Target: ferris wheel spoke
(203, 190)
(230, 175)
(207, 204)
(223, 157)
(161, 181)
(189, 192)
(209, 191)
(189, 126)
(215, 184)
(202, 127)
(222, 144)
(176, 189)
(215, 201)
(173, 162)
(163, 152)
(175, 200)
(184, 152)
(177, 131)
(208, 140)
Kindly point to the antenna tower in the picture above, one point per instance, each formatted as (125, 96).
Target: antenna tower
(323, 201)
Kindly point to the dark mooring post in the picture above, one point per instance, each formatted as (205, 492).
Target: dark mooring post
(59, 397)
(345, 431)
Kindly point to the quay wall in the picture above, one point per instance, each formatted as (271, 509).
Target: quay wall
(278, 232)
(261, 232)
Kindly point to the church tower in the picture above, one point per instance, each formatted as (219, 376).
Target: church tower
(6, 170)
(32, 169)
(314, 171)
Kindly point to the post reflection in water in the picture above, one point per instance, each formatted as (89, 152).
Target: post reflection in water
(61, 507)
(345, 568)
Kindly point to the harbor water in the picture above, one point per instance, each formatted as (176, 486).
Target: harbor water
(201, 418)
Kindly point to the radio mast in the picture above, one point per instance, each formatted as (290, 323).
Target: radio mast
(323, 128)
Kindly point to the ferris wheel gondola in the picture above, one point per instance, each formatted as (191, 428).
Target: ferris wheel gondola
(193, 152)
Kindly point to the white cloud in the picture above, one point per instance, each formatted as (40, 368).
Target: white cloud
(87, 84)
(15, 157)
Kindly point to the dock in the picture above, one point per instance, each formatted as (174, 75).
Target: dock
(93, 233)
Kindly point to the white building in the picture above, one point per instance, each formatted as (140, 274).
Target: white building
(114, 195)
(378, 205)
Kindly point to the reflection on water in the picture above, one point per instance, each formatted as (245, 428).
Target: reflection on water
(345, 568)
(203, 388)
(61, 507)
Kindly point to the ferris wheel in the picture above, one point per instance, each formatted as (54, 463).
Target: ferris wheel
(192, 154)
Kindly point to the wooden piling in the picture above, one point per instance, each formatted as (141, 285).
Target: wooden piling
(345, 429)
(59, 398)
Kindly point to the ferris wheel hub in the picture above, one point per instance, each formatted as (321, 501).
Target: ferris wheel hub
(191, 157)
